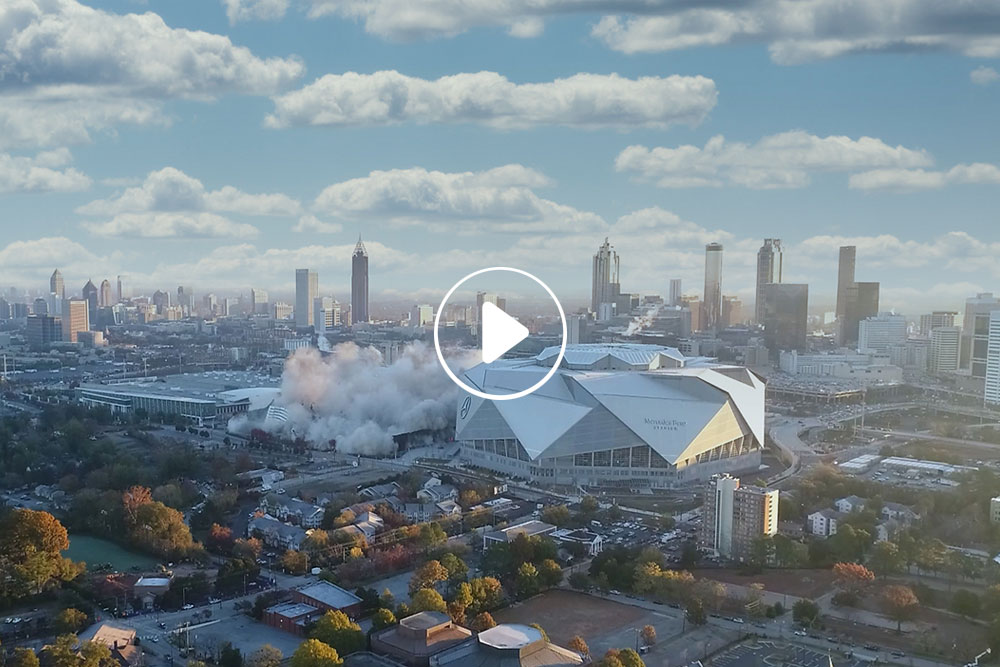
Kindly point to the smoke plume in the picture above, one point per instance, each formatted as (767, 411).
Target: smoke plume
(350, 396)
(641, 322)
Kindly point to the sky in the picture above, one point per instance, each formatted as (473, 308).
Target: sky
(225, 143)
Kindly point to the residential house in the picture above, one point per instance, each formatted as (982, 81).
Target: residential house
(121, 641)
(850, 504)
(824, 522)
(381, 490)
(447, 508)
(902, 513)
(437, 492)
(292, 510)
(274, 533)
(886, 529)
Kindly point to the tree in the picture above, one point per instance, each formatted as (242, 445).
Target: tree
(805, 612)
(230, 656)
(550, 574)
(482, 621)
(30, 546)
(248, 549)
(648, 634)
(557, 515)
(629, 658)
(69, 621)
(541, 630)
(695, 613)
(487, 594)
(427, 599)
(966, 603)
(853, 577)
(314, 653)
(711, 593)
(456, 567)
(899, 604)
(61, 652)
(133, 498)
(23, 657)
(886, 559)
(667, 522)
(335, 629)
(579, 581)
(160, 529)
(295, 562)
(527, 580)
(577, 644)
(589, 506)
(220, 539)
(431, 534)
(383, 618)
(265, 656)
(427, 575)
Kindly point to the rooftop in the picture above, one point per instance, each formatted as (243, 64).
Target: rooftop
(292, 609)
(210, 386)
(330, 595)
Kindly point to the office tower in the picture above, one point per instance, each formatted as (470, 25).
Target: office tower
(973, 337)
(326, 314)
(877, 334)
(845, 278)
(161, 301)
(124, 291)
(104, 294)
(282, 310)
(946, 343)
(675, 292)
(605, 286)
(712, 301)
(185, 299)
(210, 305)
(258, 302)
(56, 285)
(991, 393)
(40, 306)
(574, 326)
(359, 284)
(786, 316)
(693, 304)
(939, 318)
(732, 311)
(75, 318)
(306, 288)
(769, 267)
(90, 296)
(734, 517)
(421, 316)
(42, 331)
(862, 300)
(4, 309)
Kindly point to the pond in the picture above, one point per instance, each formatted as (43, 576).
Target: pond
(95, 550)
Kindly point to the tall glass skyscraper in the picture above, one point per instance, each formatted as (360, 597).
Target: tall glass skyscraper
(306, 288)
(604, 288)
(359, 284)
(769, 266)
(712, 303)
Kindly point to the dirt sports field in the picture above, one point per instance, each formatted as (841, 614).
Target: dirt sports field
(800, 583)
(564, 614)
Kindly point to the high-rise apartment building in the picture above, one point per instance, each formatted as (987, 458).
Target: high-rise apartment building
(282, 310)
(786, 316)
(675, 292)
(991, 394)
(75, 318)
(359, 284)
(306, 288)
(605, 286)
(946, 343)
(90, 296)
(56, 285)
(939, 318)
(769, 268)
(878, 334)
(712, 302)
(974, 336)
(734, 517)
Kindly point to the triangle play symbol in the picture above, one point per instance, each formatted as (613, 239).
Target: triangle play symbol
(499, 333)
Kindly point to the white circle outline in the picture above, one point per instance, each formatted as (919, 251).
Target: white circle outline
(483, 394)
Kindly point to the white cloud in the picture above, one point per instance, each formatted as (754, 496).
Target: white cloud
(312, 224)
(497, 200)
(255, 10)
(32, 261)
(170, 189)
(164, 225)
(41, 173)
(68, 69)
(984, 76)
(783, 160)
(795, 30)
(581, 100)
(921, 179)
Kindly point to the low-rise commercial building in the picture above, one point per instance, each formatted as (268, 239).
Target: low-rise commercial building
(415, 639)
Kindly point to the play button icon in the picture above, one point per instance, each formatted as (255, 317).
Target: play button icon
(500, 332)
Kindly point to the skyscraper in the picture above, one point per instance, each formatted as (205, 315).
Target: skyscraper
(124, 291)
(605, 287)
(56, 285)
(734, 517)
(992, 386)
(878, 334)
(104, 294)
(185, 299)
(90, 296)
(359, 284)
(945, 345)
(675, 292)
(712, 303)
(973, 339)
(935, 320)
(769, 266)
(258, 302)
(845, 278)
(785, 318)
(306, 287)
(75, 318)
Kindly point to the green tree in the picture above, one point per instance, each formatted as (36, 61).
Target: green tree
(695, 612)
(527, 580)
(629, 658)
(966, 603)
(427, 575)
(383, 618)
(456, 567)
(23, 657)
(557, 515)
(30, 553)
(886, 559)
(265, 656)
(805, 612)
(314, 653)
(427, 599)
(579, 580)
(589, 506)
(295, 562)
(335, 629)
(431, 534)
(230, 656)
(550, 574)
(69, 621)
(487, 594)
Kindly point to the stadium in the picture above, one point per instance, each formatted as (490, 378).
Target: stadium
(613, 415)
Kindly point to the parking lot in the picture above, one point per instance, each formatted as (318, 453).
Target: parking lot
(753, 654)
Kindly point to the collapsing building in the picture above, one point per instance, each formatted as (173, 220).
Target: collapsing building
(614, 415)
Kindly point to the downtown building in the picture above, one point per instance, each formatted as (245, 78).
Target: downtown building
(991, 393)
(359, 284)
(626, 415)
(734, 517)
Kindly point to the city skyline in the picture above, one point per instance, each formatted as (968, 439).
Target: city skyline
(764, 135)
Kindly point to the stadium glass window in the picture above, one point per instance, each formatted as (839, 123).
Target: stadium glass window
(585, 460)
(640, 457)
(603, 458)
(657, 461)
(621, 458)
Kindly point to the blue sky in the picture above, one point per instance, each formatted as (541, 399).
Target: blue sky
(173, 143)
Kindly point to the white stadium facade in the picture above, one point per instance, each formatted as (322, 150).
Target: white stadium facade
(613, 415)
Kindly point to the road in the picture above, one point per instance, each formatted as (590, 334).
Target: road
(912, 435)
